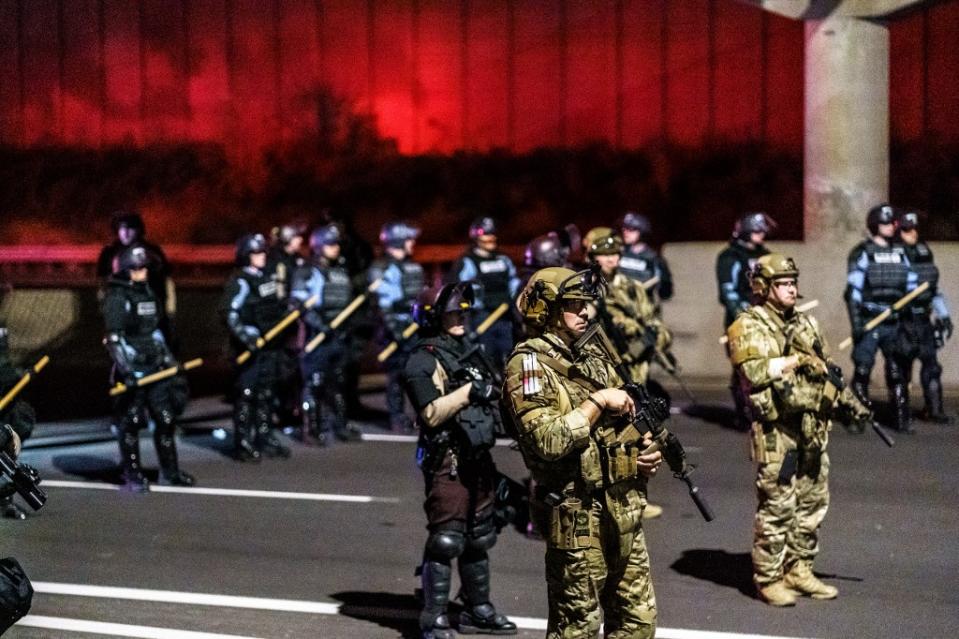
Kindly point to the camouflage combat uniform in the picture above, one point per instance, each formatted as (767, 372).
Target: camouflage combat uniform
(631, 310)
(590, 496)
(792, 413)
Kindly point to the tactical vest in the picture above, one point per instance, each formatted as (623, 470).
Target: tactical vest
(920, 257)
(140, 319)
(476, 422)
(640, 265)
(492, 274)
(337, 290)
(886, 274)
(262, 307)
(412, 279)
(611, 456)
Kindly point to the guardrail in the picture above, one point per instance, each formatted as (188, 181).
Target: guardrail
(195, 265)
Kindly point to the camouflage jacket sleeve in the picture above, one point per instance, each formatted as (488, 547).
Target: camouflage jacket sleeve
(630, 308)
(754, 351)
(549, 423)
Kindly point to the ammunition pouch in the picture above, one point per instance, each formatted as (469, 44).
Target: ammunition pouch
(619, 462)
(570, 526)
(431, 452)
(764, 405)
(768, 446)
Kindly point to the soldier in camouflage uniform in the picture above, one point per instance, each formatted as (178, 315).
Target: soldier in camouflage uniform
(626, 311)
(782, 366)
(590, 469)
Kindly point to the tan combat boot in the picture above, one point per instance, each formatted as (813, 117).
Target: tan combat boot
(776, 594)
(652, 511)
(801, 579)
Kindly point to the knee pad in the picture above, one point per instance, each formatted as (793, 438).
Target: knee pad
(444, 545)
(483, 535)
(894, 373)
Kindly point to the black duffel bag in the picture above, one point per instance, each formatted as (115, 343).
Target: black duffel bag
(16, 593)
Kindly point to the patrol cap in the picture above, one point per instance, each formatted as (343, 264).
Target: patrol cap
(603, 240)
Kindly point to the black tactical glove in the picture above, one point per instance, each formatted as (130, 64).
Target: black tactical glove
(944, 325)
(483, 392)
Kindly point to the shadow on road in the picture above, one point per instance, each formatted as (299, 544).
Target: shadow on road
(719, 414)
(733, 570)
(93, 468)
(387, 609)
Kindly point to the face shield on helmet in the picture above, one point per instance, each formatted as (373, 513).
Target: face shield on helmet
(543, 251)
(637, 222)
(909, 221)
(396, 234)
(749, 223)
(880, 215)
(132, 258)
(248, 245)
(436, 301)
(325, 236)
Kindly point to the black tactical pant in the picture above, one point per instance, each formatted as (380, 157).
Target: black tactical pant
(885, 338)
(324, 390)
(132, 411)
(917, 340)
(256, 387)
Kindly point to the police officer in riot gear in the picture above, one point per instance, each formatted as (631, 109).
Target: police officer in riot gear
(733, 266)
(129, 229)
(878, 275)
(138, 348)
(456, 399)
(324, 368)
(285, 255)
(251, 307)
(735, 262)
(640, 261)
(495, 282)
(19, 416)
(924, 324)
(402, 281)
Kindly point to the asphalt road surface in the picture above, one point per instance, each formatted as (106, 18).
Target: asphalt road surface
(324, 544)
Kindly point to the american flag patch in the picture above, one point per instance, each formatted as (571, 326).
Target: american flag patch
(532, 375)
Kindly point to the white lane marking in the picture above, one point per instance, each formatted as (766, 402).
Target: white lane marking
(226, 492)
(317, 607)
(118, 629)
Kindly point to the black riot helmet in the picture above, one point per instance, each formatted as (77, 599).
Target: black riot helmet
(544, 251)
(482, 226)
(435, 301)
(754, 222)
(637, 222)
(395, 234)
(286, 233)
(880, 214)
(248, 245)
(128, 226)
(908, 220)
(325, 235)
(131, 258)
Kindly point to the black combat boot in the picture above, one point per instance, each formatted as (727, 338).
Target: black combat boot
(434, 624)
(933, 412)
(480, 617)
(899, 394)
(342, 429)
(267, 442)
(243, 434)
(860, 387)
(169, 466)
(309, 432)
(133, 479)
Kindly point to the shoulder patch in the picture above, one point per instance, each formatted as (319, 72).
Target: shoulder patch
(532, 375)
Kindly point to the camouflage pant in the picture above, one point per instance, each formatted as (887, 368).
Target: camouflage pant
(612, 574)
(789, 515)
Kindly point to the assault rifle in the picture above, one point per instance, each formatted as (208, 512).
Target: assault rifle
(833, 374)
(22, 479)
(651, 413)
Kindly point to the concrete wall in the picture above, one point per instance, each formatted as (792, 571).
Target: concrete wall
(696, 317)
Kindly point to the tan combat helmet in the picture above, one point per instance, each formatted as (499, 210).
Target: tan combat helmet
(549, 287)
(602, 240)
(774, 266)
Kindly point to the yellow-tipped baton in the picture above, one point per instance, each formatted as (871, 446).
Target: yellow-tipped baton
(343, 315)
(392, 346)
(119, 389)
(278, 328)
(23, 381)
(802, 308)
(493, 317)
(650, 283)
(879, 319)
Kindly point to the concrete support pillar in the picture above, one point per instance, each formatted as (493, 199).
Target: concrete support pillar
(846, 126)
